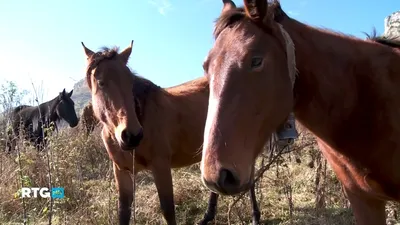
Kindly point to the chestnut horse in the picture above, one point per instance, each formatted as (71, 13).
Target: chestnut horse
(346, 92)
(167, 122)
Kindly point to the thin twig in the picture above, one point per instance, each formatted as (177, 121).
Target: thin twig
(48, 153)
(133, 176)
(259, 174)
(22, 184)
(110, 209)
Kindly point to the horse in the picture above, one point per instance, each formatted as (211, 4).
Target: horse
(165, 126)
(36, 121)
(344, 90)
(88, 120)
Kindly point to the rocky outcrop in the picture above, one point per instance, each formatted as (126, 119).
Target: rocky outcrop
(392, 26)
(81, 95)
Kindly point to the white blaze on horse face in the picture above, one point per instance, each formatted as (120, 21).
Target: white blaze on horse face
(118, 132)
(210, 121)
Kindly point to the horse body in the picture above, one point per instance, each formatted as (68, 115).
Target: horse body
(355, 94)
(173, 125)
(188, 111)
(350, 101)
(346, 93)
(33, 119)
(177, 111)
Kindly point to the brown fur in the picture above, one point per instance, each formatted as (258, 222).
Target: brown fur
(173, 124)
(346, 94)
(88, 120)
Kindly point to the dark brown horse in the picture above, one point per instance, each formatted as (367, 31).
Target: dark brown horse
(346, 93)
(88, 119)
(168, 123)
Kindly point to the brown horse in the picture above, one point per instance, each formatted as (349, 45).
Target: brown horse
(88, 119)
(173, 127)
(346, 93)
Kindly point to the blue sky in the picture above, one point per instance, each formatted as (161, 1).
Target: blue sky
(40, 40)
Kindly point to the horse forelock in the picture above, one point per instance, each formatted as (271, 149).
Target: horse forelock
(142, 87)
(227, 19)
(236, 15)
(95, 59)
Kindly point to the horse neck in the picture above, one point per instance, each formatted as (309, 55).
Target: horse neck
(146, 92)
(48, 110)
(330, 72)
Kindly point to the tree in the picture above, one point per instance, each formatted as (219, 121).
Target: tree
(10, 96)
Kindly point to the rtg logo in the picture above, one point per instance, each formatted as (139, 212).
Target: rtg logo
(32, 192)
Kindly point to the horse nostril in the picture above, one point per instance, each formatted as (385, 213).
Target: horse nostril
(130, 139)
(228, 180)
(126, 136)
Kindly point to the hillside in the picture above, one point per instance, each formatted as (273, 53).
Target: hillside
(81, 95)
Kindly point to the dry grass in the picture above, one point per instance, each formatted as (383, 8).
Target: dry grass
(286, 193)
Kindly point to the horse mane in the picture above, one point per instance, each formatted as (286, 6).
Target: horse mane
(275, 13)
(393, 42)
(50, 107)
(43, 107)
(142, 87)
(227, 19)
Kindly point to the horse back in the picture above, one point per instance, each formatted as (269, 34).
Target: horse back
(187, 112)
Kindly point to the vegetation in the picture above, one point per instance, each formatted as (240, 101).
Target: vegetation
(298, 188)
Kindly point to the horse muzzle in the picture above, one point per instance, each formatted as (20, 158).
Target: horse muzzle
(74, 124)
(129, 141)
(226, 183)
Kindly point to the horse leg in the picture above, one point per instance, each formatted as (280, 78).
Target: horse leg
(256, 210)
(39, 144)
(125, 194)
(366, 210)
(211, 209)
(163, 179)
(9, 144)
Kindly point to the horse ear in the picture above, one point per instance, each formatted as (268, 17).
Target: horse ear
(70, 93)
(126, 53)
(228, 5)
(63, 91)
(256, 9)
(89, 53)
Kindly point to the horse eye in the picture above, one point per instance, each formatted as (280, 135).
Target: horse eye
(256, 62)
(100, 83)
